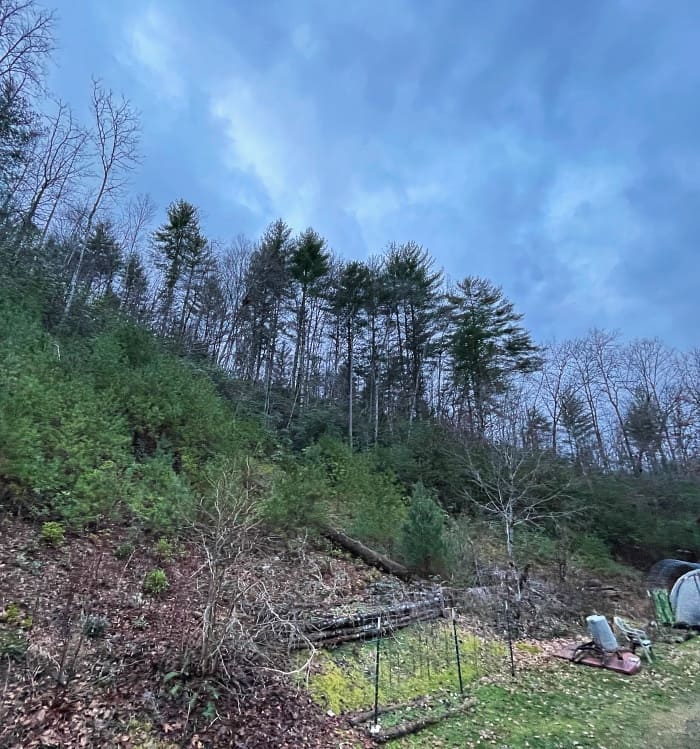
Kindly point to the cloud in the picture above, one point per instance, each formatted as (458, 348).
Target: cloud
(559, 159)
(592, 226)
(268, 136)
(153, 52)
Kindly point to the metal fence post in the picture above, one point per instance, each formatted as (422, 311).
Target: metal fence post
(376, 673)
(459, 661)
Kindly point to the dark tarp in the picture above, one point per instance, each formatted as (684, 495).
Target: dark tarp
(665, 573)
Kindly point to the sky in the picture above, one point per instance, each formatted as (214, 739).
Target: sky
(551, 146)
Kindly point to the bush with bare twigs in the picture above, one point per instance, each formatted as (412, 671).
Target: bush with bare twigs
(241, 625)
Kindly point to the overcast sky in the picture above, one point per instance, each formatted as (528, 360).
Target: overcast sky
(552, 146)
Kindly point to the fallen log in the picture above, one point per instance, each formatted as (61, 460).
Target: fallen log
(368, 631)
(373, 558)
(328, 632)
(363, 716)
(329, 639)
(414, 726)
(399, 610)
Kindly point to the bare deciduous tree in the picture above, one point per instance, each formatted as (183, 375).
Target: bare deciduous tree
(26, 38)
(137, 217)
(233, 266)
(516, 488)
(58, 163)
(227, 521)
(115, 137)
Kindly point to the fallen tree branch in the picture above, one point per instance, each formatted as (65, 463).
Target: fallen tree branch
(355, 719)
(368, 631)
(330, 631)
(414, 726)
(373, 558)
(398, 610)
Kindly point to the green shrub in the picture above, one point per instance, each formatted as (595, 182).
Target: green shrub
(363, 499)
(125, 550)
(115, 428)
(593, 554)
(159, 498)
(13, 645)
(11, 615)
(534, 545)
(163, 549)
(53, 534)
(95, 626)
(155, 583)
(298, 498)
(422, 535)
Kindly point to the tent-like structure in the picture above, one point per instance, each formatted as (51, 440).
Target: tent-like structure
(685, 599)
(674, 586)
(665, 573)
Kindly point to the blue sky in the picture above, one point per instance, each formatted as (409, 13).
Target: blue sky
(552, 146)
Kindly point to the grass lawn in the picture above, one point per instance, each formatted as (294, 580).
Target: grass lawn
(551, 704)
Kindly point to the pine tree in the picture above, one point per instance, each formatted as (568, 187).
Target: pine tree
(644, 426)
(576, 420)
(349, 298)
(309, 264)
(179, 248)
(413, 289)
(488, 347)
(103, 258)
(266, 290)
(134, 285)
(422, 540)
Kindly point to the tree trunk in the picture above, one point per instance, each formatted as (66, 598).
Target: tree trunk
(406, 729)
(373, 558)
(350, 393)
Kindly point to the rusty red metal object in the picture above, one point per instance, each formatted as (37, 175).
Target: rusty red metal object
(625, 663)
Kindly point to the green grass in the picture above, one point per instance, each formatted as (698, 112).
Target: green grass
(559, 705)
(552, 704)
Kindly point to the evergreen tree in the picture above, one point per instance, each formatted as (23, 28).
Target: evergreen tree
(644, 426)
(103, 258)
(536, 429)
(422, 541)
(134, 285)
(209, 308)
(266, 290)
(18, 130)
(309, 264)
(488, 347)
(577, 422)
(198, 269)
(413, 288)
(179, 247)
(349, 298)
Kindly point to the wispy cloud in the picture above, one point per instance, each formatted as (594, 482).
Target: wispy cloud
(154, 52)
(558, 159)
(269, 137)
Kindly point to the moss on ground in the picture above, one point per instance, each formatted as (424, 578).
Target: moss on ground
(416, 661)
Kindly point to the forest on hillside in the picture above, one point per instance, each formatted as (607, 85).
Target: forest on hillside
(136, 354)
